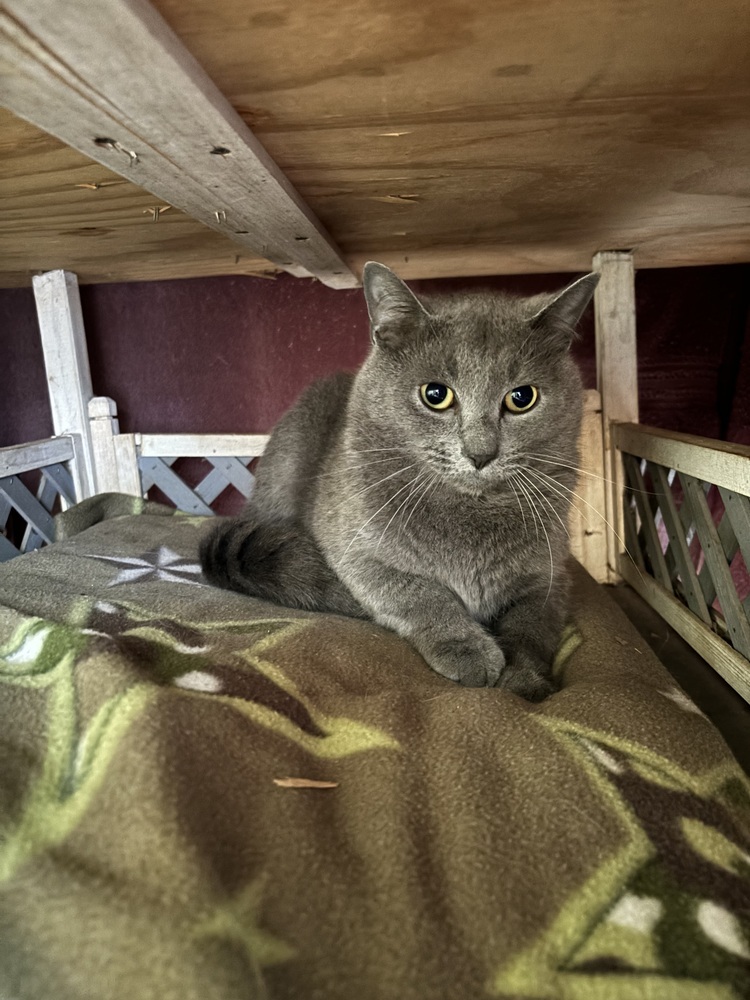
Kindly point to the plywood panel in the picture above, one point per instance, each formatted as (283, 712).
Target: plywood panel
(460, 137)
(58, 209)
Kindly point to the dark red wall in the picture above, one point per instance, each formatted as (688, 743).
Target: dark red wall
(231, 354)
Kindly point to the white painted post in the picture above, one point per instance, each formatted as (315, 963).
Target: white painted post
(617, 381)
(115, 458)
(66, 360)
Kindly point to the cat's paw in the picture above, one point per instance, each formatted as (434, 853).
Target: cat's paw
(529, 679)
(470, 662)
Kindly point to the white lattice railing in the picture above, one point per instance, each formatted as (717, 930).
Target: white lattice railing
(687, 529)
(33, 481)
(143, 463)
(227, 457)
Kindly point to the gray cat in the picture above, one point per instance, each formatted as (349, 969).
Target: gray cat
(429, 491)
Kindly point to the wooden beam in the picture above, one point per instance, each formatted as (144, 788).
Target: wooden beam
(717, 462)
(617, 379)
(66, 360)
(113, 80)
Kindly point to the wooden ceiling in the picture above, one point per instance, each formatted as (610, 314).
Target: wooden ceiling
(451, 137)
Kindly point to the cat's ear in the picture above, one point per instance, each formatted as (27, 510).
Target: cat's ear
(561, 315)
(394, 310)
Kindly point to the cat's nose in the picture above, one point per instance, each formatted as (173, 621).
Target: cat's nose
(480, 459)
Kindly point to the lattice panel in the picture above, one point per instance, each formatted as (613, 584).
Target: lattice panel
(169, 476)
(26, 513)
(693, 538)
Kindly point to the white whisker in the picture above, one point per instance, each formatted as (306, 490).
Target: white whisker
(549, 547)
(598, 513)
(547, 502)
(511, 477)
(373, 485)
(420, 499)
(382, 507)
(541, 457)
(401, 505)
(530, 502)
(356, 468)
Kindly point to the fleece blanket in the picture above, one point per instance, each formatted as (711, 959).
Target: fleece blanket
(204, 796)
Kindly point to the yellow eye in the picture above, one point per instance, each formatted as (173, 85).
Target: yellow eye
(436, 395)
(522, 398)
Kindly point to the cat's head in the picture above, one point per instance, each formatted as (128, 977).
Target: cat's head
(472, 384)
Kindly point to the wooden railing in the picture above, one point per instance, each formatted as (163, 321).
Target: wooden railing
(228, 455)
(687, 530)
(142, 463)
(33, 480)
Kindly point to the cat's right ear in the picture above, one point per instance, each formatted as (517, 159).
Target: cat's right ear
(394, 310)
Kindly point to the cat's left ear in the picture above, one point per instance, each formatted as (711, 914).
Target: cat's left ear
(561, 315)
(394, 310)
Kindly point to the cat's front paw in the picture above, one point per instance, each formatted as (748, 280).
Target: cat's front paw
(529, 678)
(467, 661)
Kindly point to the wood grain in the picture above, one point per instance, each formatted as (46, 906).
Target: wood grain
(720, 462)
(450, 138)
(616, 379)
(727, 662)
(114, 81)
(24, 457)
(49, 220)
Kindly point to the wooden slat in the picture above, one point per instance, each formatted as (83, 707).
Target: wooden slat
(737, 511)
(209, 488)
(616, 378)
(62, 481)
(673, 524)
(712, 461)
(28, 506)
(115, 72)
(170, 483)
(633, 548)
(704, 576)
(200, 445)
(588, 538)
(729, 546)
(651, 536)
(46, 494)
(727, 662)
(226, 471)
(737, 621)
(26, 457)
(7, 551)
(147, 479)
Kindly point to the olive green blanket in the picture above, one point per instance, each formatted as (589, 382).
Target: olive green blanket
(468, 845)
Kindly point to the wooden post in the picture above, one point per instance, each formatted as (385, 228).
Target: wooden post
(617, 381)
(588, 535)
(115, 457)
(66, 360)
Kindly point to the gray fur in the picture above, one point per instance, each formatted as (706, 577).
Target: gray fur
(367, 503)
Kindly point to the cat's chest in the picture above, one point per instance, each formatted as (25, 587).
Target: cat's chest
(479, 560)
